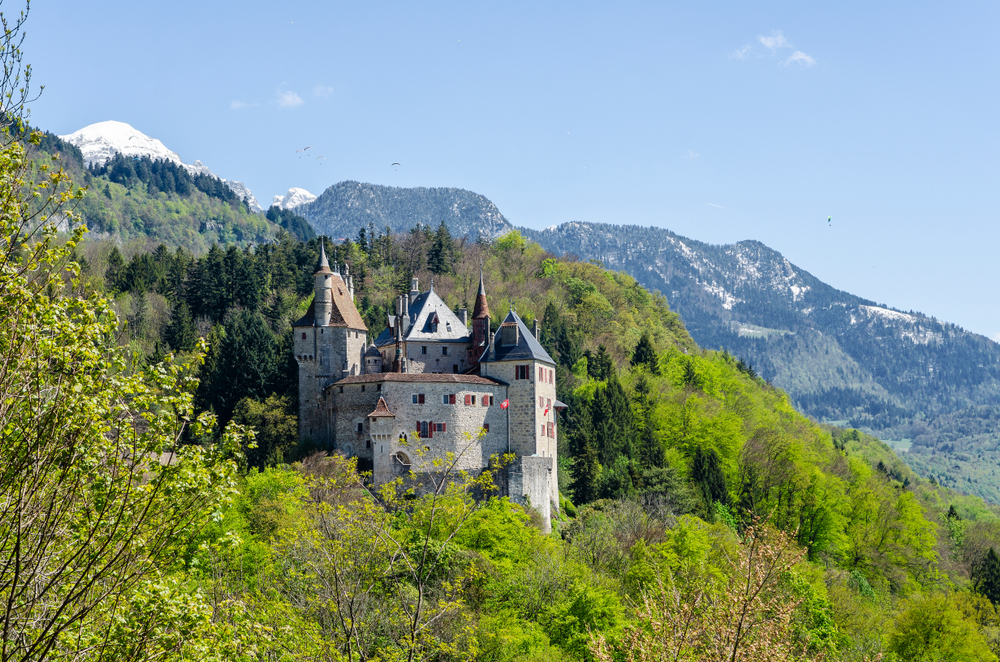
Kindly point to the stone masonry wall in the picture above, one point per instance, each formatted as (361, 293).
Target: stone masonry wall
(324, 355)
(528, 420)
(529, 483)
(462, 424)
(434, 360)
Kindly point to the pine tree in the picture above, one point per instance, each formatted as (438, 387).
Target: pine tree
(180, 333)
(116, 265)
(585, 471)
(645, 355)
(441, 256)
(986, 577)
(707, 474)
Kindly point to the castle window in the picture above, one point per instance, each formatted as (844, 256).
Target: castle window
(402, 437)
(468, 399)
(303, 335)
(454, 368)
(418, 398)
(341, 389)
(541, 374)
(422, 427)
(423, 349)
(543, 430)
(486, 426)
(444, 350)
(362, 388)
(541, 402)
(378, 387)
(552, 430)
(361, 427)
(444, 399)
(521, 371)
(441, 427)
(368, 443)
(473, 399)
(321, 331)
(548, 403)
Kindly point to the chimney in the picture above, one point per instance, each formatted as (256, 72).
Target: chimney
(406, 314)
(538, 330)
(463, 314)
(414, 289)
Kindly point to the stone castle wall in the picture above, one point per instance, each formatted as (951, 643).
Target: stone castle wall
(350, 406)
(324, 355)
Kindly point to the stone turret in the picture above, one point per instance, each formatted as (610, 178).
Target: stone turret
(323, 288)
(480, 324)
(329, 344)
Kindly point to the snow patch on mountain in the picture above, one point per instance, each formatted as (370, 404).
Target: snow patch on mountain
(102, 140)
(890, 315)
(295, 197)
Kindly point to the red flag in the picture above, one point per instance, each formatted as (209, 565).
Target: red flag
(504, 404)
(546, 412)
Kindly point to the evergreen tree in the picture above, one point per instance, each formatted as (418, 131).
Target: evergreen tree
(645, 355)
(611, 415)
(115, 267)
(650, 452)
(180, 333)
(986, 577)
(441, 256)
(600, 366)
(707, 474)
(243, 363)
(586, 471)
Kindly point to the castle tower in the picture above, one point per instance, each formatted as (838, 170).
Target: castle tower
(330, 342)
(480, 324)
(518, 359)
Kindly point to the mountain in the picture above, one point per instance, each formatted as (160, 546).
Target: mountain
(101, 141)
(843, 359)
(344, 208)
(296, 197)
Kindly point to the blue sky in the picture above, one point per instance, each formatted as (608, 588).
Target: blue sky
(719, 121)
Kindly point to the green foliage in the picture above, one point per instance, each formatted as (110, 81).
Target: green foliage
(931, 627)
(276, 425)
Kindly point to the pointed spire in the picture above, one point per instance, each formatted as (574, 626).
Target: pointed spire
(482, 307)
(323, 263)
(432, 283)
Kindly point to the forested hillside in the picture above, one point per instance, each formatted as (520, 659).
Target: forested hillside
(844, 359)
(149, 202)
(681, 469)
(345, 207)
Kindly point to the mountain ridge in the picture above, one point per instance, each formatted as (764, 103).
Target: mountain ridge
(100, 141)
(346, 207)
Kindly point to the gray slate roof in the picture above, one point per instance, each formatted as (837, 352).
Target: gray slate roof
(526, 349)
(422, 311)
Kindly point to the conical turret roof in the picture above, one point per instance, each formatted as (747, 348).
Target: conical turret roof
(323, 265)
(482, 307)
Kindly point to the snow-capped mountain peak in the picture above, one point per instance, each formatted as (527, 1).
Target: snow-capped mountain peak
(295, 197)
(101, 141)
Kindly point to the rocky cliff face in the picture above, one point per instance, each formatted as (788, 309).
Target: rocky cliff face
(100, 141)
(344, 208)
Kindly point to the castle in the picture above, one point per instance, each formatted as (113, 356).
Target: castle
(428, 383)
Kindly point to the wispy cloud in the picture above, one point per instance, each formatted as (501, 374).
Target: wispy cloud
(289, 99)
(746, 51)
(691, 155)
(236, 105)
(799, 58)
(775, 41)
(322, 92)
(718, 206)
(772, 44)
